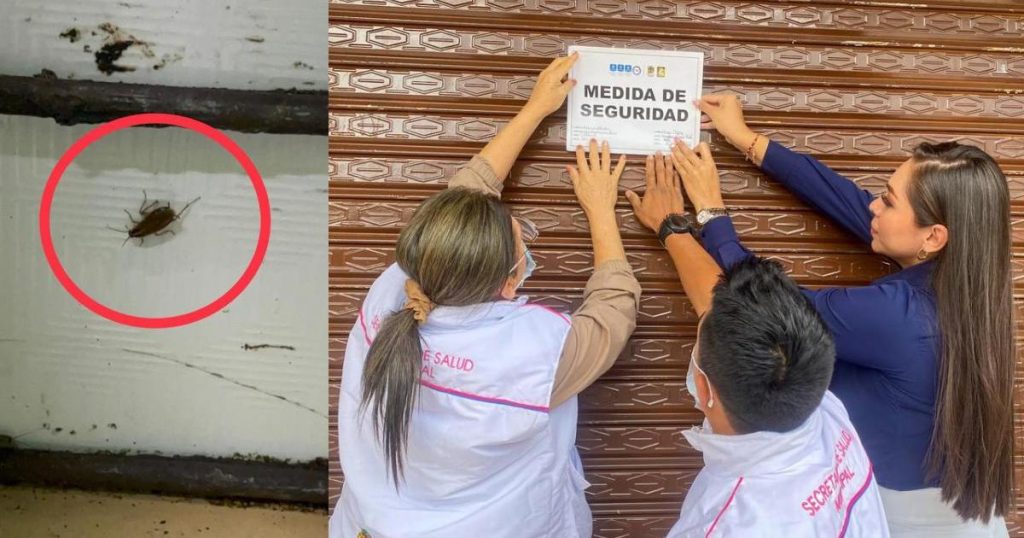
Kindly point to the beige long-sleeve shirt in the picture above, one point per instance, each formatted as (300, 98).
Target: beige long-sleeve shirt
(601, 326)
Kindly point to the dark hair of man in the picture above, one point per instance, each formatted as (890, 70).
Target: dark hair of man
(764, 348)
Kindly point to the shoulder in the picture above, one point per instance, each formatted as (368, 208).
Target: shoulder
(540, 325)
(887, 307)
(545, 314)
(386, 295)
(390, 283)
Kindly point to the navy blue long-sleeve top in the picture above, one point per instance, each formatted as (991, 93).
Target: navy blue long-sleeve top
(886, 333)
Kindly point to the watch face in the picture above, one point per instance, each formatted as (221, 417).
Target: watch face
(674, 224)
(678, 221)
(705, 215)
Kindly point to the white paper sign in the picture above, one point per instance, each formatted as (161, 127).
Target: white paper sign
(637, 100)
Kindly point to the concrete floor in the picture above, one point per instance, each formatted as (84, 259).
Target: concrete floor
(27, 512)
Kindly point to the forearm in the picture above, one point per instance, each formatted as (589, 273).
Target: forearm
(503, 150)
(719, 239)
(743, 140)
(601, 327)
(697, 270)
(812, 182)
(604, 233)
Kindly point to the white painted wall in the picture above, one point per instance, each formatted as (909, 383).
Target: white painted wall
(190, 390)
(243, 44)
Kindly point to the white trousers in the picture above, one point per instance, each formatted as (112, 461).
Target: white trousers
(922, 514)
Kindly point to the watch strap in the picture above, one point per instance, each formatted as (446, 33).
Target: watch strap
(708, 213)
(669, 228)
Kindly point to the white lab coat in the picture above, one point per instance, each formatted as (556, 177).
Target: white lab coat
(815, 481)
(486, 456)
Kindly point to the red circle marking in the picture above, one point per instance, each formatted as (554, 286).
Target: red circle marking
(155, 119)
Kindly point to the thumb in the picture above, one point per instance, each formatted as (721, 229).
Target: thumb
(567, 86)
(574, 176)
(707, 106)
(634, 201)
(704, 151)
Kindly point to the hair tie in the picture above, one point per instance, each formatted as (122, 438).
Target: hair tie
(417, 301)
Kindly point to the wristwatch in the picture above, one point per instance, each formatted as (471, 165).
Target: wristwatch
(709, 213)
(676, 223)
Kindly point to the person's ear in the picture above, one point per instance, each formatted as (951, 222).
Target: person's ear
(508, 291)
(938, 236)
(705, 393)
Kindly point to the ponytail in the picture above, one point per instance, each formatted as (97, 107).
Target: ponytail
(391, 379)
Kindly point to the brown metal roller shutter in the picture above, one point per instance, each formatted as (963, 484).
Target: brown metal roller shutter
(418, 86)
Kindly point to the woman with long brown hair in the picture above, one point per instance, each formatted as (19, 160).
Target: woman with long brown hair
(457, 410)
(925, 356)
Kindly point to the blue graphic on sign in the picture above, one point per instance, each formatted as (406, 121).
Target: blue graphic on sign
(625, 69)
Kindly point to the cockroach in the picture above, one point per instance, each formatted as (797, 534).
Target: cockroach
(153, 219)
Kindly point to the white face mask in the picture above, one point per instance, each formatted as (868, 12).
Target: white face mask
(691, 382)
(530, 266)
(528, 270)
(528, 233)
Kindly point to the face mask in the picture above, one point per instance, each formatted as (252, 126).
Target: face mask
(530, 266)
(691, 382)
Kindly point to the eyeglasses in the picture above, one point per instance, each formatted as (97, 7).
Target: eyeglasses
(528, 232)
(527, 229)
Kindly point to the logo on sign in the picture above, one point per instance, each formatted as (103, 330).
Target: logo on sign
(626, 69)
(652, 70)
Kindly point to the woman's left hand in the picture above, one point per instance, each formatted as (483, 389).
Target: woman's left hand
(699, 173)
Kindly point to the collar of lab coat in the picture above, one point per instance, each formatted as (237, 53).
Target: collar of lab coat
(754, 453)
(463, 317)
